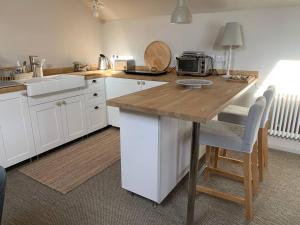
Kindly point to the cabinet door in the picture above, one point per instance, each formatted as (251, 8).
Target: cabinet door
(16, 139)
(151, 84)
(96, 117)
(113, 116)
(116, 87)
(74, 118)
(184, 145)
(47, 126)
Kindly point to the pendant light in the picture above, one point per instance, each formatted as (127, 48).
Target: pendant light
(97, 5)
(182, 14)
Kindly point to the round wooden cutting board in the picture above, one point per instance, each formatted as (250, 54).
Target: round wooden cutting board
(158, 56)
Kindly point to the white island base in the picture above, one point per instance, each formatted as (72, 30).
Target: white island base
(155, 153)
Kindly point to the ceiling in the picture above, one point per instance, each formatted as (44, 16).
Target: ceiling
(126, 9)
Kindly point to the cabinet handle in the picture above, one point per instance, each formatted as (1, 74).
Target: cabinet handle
(139, 82)
(94, 81)
(97, 107)
(96, 94)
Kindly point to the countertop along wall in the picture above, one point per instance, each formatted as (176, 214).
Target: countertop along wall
(270, 35)
(61, 31)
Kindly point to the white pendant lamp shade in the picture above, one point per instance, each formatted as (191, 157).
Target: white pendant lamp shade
(232, 35)
(182, 14)
(96, 13)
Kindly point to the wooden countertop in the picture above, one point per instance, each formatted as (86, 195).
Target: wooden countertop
(5, 90)
(116, 74)
(119, 74)
(171, 100)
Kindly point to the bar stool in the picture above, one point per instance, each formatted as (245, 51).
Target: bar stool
(237, 138)
(238, 115)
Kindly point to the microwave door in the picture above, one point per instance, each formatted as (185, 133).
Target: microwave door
(188, 65)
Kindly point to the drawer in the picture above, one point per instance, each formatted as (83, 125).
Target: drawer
(96, 116)
(96, 85)
(95, 100)
(94, 94)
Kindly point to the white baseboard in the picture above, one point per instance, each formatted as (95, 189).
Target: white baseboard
(286, 145)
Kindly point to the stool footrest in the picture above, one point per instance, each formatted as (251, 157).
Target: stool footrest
(236, 161)
(223, 173)
(219, 194)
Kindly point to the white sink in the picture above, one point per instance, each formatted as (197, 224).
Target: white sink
(51, 84)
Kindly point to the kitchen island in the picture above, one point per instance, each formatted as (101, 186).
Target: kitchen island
(160, 132)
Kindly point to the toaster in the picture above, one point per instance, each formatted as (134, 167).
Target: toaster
(124, 64)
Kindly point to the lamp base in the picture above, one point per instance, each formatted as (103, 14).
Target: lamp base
(227, 76)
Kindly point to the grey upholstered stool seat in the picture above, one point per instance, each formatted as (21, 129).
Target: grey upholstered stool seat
(239, 138)
(222, 134)
(238, 115)
(234, 114)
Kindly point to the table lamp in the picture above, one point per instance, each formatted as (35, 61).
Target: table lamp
(232, 37)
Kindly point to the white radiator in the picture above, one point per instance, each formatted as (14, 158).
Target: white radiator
(285, 116)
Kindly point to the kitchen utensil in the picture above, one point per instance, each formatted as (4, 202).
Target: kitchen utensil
(194, 83)
(157, 56)
(103, 62)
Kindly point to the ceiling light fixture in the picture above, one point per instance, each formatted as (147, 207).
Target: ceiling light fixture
(97, 5)
(182, 14)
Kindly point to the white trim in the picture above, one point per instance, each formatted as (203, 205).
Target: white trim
(285, 145)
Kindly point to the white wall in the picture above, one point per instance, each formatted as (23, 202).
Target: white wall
(272, 44)
(270, 35)
(61, 31)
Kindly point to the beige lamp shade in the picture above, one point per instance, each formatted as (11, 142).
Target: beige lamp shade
(182, 14)
(232, 35)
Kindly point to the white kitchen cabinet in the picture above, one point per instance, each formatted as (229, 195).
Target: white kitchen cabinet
(151, 84)
(58, 122)
(96, 117)
(116, 87)
(74, 117)
(96, 105)
(155, 153)
(63, 117)
(47, 126)
(16, 139)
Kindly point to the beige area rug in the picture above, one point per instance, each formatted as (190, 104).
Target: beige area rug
(68, 167)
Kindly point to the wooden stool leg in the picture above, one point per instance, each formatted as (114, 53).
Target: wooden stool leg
(207, 162)
(224, 152)
(266, 145)
(261, 153)
(248, 186)
(254, 168)
(217, 150)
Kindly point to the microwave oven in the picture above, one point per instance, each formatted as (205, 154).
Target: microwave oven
(194, 64)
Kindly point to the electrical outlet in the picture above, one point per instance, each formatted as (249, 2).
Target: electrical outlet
(174, 61)
(219, 61)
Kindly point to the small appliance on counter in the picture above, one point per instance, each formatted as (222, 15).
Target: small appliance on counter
(103, 62)
(124, 64)
(194, 63)
(79, 67)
